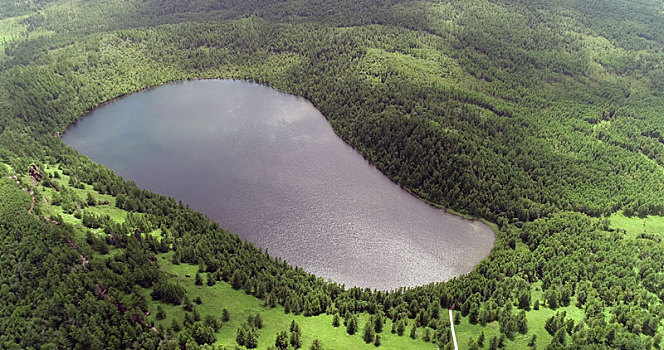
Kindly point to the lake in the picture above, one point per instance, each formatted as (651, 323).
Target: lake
(268, 166)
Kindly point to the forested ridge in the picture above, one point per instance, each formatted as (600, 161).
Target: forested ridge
(541, 117)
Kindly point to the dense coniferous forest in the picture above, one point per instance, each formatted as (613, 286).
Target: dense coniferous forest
(541, 117)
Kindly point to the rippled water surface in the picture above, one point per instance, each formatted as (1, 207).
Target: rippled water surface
(268, 166)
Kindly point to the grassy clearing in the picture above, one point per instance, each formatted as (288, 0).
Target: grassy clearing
(10, 29)
(118, 215)
(635, 226)
(240, 305)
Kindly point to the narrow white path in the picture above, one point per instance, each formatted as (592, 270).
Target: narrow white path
(456, 345)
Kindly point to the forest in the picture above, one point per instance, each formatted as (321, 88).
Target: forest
(541, 117)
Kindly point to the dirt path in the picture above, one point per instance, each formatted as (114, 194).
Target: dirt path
(456, 345)
(32, 205)
(32, 193)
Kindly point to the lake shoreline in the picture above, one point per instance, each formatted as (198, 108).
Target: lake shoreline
(420, 246)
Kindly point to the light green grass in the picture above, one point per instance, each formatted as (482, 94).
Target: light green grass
(10, 29)
(635, 226)
(240, 305)
(117, 215)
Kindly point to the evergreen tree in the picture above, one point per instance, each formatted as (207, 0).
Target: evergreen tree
(188, 306)
(480, 340)
(473, 314)
(377, 340)
(212, 322)
(250, 338)
(204, 334)
(522, 322)
(369, 332)
(187, 319)
(378, 323)
(524, 299)
(413, 331)
(316, 345)
(352, 325)
(240, 335)
(493, 343)
(294, 327)
(281, 342)
(401, 328)
(295, 340)
(90, 200)
(335, 320)
(472, 345)
(175, 326)
(161, 314)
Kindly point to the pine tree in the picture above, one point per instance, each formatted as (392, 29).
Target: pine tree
(161, 314)
(378, 323)
(413, 331)
(295, 340)
(281, 342)
(369, 332)
(250, 338)
(225, 315)
(522, 323)
(240, 335)
(352, 325)
(294, 327)
(427, 335)
(212, 322)
(187, 319)
(258, 321)
(377, 340)
(175, 326)
(188, 306)
(493, 343)
(335, 320)
(472, 345)
(90, 200)
(198, 280)
(401, 328)
(316, 345)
